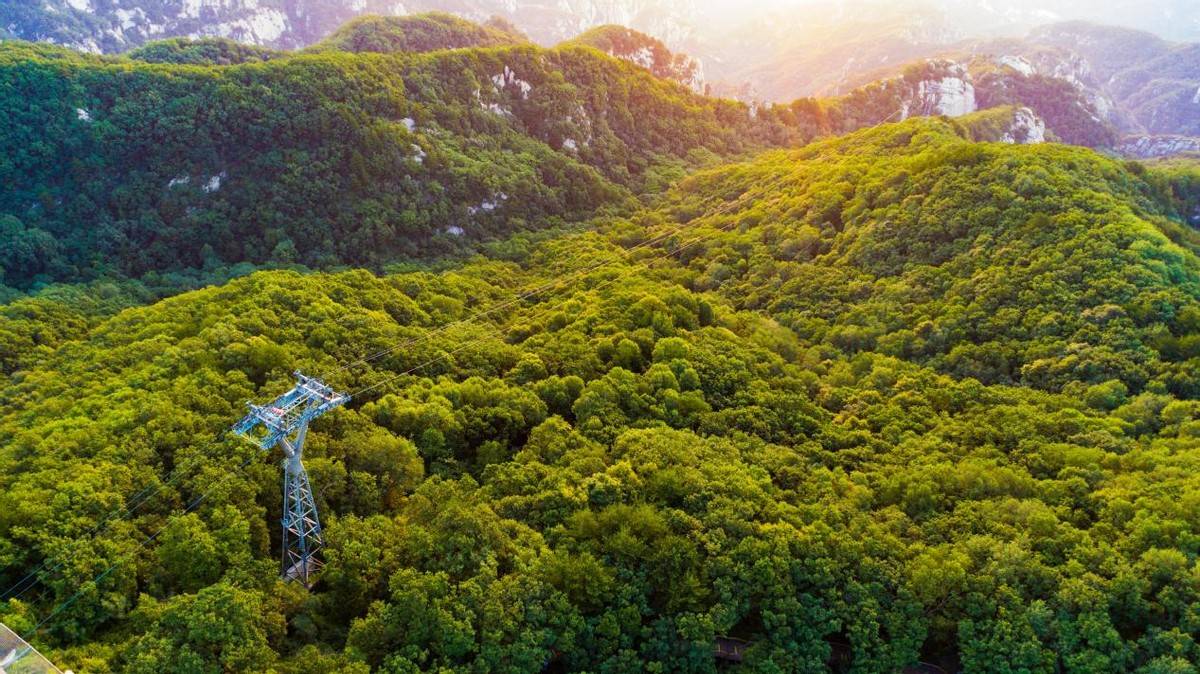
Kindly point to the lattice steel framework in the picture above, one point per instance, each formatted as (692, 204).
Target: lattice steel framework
(18, 657)
(284, 423)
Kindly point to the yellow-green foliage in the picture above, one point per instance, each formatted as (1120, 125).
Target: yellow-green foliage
(989, 125)
(905, 398)
(1042, 265)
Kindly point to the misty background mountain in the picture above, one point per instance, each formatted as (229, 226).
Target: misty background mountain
(1135, 65)
(708, 29)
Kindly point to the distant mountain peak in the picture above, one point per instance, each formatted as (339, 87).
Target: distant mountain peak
(119, 25)
(644, 51)
(416, 33)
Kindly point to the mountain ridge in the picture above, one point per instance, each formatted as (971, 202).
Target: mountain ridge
(487, 141)
(376, 131)
(1142, 87)
(833, 50)
(646, 51)
(415, 34)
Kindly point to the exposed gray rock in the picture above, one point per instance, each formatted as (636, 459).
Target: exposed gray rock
(1027, 128)
(1149, 147)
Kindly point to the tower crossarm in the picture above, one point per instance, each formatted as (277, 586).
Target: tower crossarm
(267, 425)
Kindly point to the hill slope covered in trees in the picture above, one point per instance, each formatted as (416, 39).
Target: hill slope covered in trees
(119, 166)
(202, 51)
(199, 155)
(420, 33)
(893, 397)
(645, 51)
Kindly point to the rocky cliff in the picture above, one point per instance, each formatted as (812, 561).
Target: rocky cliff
(1101, 86)
(953, 88)
(1153, 85)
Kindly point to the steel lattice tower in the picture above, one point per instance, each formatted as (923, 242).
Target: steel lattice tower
(284, 422)
(18, 657)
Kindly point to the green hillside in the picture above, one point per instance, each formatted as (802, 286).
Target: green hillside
(189, 157)
(213, 51)
(889, 398)
(417, 33)
(1043, 265)
(644, 50)
(116, 166)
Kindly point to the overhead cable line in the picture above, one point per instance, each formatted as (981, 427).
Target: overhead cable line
(121, 560)
(19, 588)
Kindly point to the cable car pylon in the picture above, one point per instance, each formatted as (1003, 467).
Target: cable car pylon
(18, 657)
(284, 422)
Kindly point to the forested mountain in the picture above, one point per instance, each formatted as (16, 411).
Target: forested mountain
(757, 51)
(954, 88)
(728, 35)
(1109, 87)
(119, 25)
(647, 52)
(1155, 84)
(1141, 84)
(893, 397)
(421, 33)
(115, 165)
(203, 154)
(211, 51)
(642, 380)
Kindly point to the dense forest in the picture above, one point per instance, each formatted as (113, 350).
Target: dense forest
(420, 33)
(646, 51)
(194, 155)
(209, 51)
(113, 165)
(636, 373)
(889, 398)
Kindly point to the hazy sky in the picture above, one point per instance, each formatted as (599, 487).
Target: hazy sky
(1174, 19)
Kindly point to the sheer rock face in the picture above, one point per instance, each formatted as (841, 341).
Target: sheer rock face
(1152, 84)
(950, 96)
(1116, 89)
(939, 88)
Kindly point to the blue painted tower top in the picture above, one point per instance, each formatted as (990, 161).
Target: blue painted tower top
(284, 422)
(290, 412)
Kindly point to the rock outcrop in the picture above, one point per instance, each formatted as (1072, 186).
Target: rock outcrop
(1149, 147)
(953, 96)
(1026, 128)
